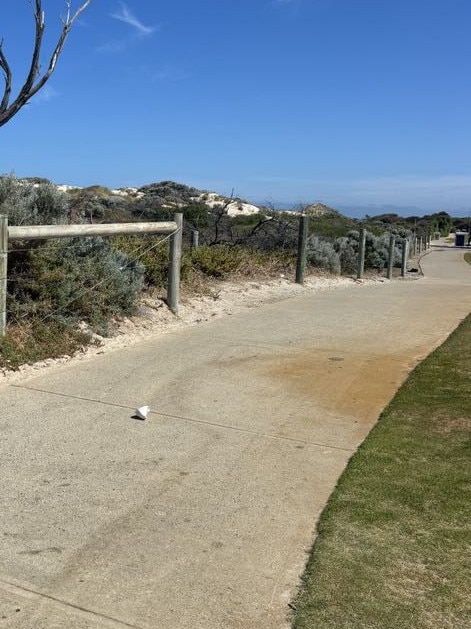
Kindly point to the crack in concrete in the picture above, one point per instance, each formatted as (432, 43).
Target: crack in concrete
(188, 419)
(21, 589)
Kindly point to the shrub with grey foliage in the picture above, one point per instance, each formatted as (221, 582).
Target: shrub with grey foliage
(347, 249)
(80, 279)
(321, 253)
(27, 203)
(376, 251)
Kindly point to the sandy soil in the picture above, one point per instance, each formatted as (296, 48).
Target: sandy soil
(153, 317)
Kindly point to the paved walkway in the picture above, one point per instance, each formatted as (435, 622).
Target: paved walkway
(201, 516)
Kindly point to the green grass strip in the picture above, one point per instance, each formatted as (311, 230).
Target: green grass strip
(394, 543)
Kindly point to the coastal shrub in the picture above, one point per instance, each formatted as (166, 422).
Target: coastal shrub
(29, 340)
(217, 261)
(152, 253)
(376, 251)
(27, 203)
(220, 261)
(347, 249)
(80, 279)
(321, 253)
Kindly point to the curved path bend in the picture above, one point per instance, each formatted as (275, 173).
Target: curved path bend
(200, 517)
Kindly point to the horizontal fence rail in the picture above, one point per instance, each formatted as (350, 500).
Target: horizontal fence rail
(45, 232)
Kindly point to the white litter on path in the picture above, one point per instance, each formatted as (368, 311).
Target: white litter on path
(142, 412)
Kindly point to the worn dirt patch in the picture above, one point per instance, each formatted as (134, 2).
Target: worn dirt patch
(351, 382)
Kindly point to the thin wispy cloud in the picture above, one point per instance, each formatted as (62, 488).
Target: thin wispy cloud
(281, 3)
(125, 15)
(47, 94)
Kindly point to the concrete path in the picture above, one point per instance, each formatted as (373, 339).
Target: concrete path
(201, 516)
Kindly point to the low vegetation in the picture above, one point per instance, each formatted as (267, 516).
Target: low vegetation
(92, 282)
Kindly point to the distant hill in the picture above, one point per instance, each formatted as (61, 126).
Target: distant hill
(321, 211)
(165, 194)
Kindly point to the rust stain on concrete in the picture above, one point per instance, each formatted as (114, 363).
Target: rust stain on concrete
(348, 382)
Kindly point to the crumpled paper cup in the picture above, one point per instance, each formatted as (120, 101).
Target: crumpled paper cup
(142, 412)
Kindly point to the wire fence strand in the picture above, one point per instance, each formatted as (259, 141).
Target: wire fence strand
(134, 256)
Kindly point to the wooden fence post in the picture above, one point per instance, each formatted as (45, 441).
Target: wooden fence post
(3, 273)
(174, 262)
(392, 242)
(361, 253)
(195, 239)
(405, 256)
(302, 240)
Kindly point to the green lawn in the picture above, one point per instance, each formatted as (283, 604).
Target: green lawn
(394, 543)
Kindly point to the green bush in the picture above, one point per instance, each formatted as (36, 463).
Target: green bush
(27, 203)
(376, 251)
(76, 279)
(217, 261)
(152, 253)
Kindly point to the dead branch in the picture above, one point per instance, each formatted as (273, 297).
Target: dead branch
(35, 80)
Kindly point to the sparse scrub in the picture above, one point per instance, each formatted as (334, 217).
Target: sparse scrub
(376, 251)
(222, 261)
(34, 339)
(77, 279)
(321, 253)
(218, 261)
(347, 248)
(26, 203)
(152, 253)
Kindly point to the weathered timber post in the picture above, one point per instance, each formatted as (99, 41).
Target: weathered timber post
(195, 235)
(404, 257)
(174, 261)
(392, 242)
(3, 273)
(302, 240)
(361, 253)
(43, 232)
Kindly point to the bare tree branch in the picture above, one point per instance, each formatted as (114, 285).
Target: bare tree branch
(34, 80)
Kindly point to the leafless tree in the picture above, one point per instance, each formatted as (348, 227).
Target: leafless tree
(36, 78)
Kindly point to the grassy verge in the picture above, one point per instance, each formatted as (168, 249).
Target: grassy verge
(393, 548)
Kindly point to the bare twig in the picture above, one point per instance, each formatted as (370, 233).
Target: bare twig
(34, 80)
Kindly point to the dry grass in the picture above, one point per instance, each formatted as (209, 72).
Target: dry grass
(29, 341)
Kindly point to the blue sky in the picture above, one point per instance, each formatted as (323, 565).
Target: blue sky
(363, 103)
